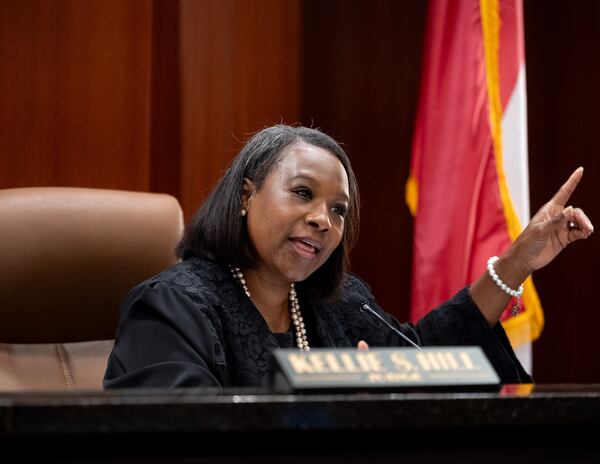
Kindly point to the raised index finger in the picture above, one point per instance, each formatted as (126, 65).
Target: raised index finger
(564, 193)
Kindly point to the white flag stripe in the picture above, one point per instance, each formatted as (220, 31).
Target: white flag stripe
(516, 168)
(514, 147)
(523, 352)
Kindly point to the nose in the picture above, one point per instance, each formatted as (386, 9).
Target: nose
(318, 217)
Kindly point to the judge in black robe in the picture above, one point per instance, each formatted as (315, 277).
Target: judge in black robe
(281, 223)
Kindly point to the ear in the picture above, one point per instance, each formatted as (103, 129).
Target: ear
(248, 189)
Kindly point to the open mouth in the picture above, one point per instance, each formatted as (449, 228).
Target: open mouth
(305, 247)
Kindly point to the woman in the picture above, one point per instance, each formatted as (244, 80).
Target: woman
(264, 266)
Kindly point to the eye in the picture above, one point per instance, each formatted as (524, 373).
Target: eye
(339, 210)
(304, 192)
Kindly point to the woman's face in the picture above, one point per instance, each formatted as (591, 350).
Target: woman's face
(296, 219)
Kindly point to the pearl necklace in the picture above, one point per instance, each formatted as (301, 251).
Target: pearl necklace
(295, 314)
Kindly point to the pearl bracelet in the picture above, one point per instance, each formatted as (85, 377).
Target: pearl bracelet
(492, 272)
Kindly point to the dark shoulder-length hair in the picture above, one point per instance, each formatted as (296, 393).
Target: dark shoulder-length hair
(218, 230)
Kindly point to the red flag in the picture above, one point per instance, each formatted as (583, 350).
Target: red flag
(468, 194)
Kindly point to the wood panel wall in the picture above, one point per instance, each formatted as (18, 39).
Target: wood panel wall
(144, 94)
(239, 73)
(159, 95)
(75, 93)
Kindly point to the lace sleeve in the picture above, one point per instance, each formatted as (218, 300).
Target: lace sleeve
(458, 321)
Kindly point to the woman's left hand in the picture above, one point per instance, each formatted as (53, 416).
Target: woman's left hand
(548, 233)
(552, 229)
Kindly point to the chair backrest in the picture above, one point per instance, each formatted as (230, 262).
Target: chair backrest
(68, 256)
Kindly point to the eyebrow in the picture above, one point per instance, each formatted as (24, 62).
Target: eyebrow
(312, 179)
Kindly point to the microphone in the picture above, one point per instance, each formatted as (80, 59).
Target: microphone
(365, 305)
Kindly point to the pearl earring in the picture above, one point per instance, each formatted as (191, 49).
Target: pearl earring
(243, 212)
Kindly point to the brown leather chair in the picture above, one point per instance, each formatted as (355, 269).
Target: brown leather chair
(68, 256)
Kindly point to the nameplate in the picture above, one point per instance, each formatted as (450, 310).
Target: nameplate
(389, 369)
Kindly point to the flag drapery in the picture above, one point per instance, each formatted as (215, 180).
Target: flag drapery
(468, 186)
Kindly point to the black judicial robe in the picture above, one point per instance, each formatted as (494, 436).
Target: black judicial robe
(193, 326)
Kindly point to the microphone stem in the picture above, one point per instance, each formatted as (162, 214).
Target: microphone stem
(394, 329)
